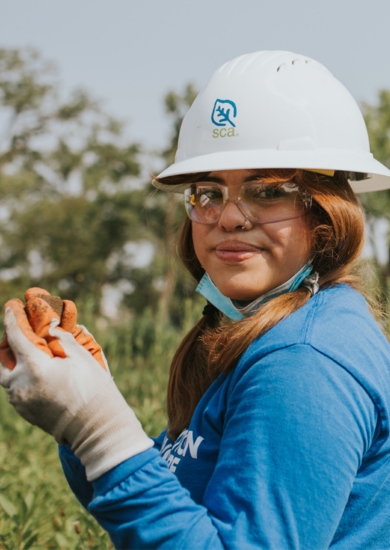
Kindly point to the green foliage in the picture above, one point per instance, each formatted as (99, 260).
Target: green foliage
(176, 106)
(378, 123)
(169, 213)
(377, 205)
(377, 119)
(36, 508)
(72, 200)
(67, 173)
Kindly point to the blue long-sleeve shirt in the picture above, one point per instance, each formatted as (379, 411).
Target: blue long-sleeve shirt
(289, 450)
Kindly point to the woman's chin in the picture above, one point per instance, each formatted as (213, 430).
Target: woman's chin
(243, 295)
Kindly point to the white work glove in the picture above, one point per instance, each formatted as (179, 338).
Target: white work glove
(71, 398)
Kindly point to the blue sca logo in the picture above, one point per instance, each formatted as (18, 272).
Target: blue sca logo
(224, 111)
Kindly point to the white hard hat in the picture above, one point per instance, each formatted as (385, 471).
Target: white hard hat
(276, 109)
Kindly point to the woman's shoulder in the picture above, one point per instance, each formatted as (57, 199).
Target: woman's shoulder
(338, 314)
(338, 317)
(336, 324)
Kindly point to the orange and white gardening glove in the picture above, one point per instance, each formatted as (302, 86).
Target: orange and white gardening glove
(41, 308)
(68, 397)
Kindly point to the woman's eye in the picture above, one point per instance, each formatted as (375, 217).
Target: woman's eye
(264, 193)
(268, 193)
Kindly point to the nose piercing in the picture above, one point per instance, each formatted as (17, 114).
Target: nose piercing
(243, 227)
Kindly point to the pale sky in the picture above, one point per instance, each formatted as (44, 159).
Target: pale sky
(131, 52)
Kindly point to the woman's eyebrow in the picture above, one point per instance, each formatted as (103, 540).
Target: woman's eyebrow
(252, 178)
(213, 179)
(221, 181)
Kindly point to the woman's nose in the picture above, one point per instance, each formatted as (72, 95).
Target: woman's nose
(232, 218)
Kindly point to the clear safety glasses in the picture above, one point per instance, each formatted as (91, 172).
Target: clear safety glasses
(258, 202)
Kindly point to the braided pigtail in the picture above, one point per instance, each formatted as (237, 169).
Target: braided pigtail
(189, 375)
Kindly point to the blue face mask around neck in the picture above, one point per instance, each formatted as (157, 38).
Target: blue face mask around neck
(209, 291)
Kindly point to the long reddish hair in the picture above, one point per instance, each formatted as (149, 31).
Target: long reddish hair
(336, 221)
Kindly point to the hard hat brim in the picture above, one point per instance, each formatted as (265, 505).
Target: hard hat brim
(377, 175)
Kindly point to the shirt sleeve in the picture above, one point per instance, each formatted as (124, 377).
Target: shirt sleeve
(296, 428)
(75, 474)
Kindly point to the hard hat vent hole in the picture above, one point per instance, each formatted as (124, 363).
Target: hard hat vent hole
(293, 62)
(282, 66)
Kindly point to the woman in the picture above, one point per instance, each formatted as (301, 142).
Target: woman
(278, 432)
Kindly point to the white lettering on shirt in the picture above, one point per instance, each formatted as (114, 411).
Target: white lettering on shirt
(185, 442)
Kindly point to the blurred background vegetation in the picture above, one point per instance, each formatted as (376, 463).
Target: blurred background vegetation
(79, 217)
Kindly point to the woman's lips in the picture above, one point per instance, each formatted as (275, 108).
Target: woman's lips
(235, 251)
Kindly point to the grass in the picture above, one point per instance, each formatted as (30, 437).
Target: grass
(37, 509)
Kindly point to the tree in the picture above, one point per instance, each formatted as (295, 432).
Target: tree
(68, 201)
(75, 216)
(377, 205)
(165, 214)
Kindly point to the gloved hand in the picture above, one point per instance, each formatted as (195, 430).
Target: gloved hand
(40, 314)
(7, 357)
(69, 398)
